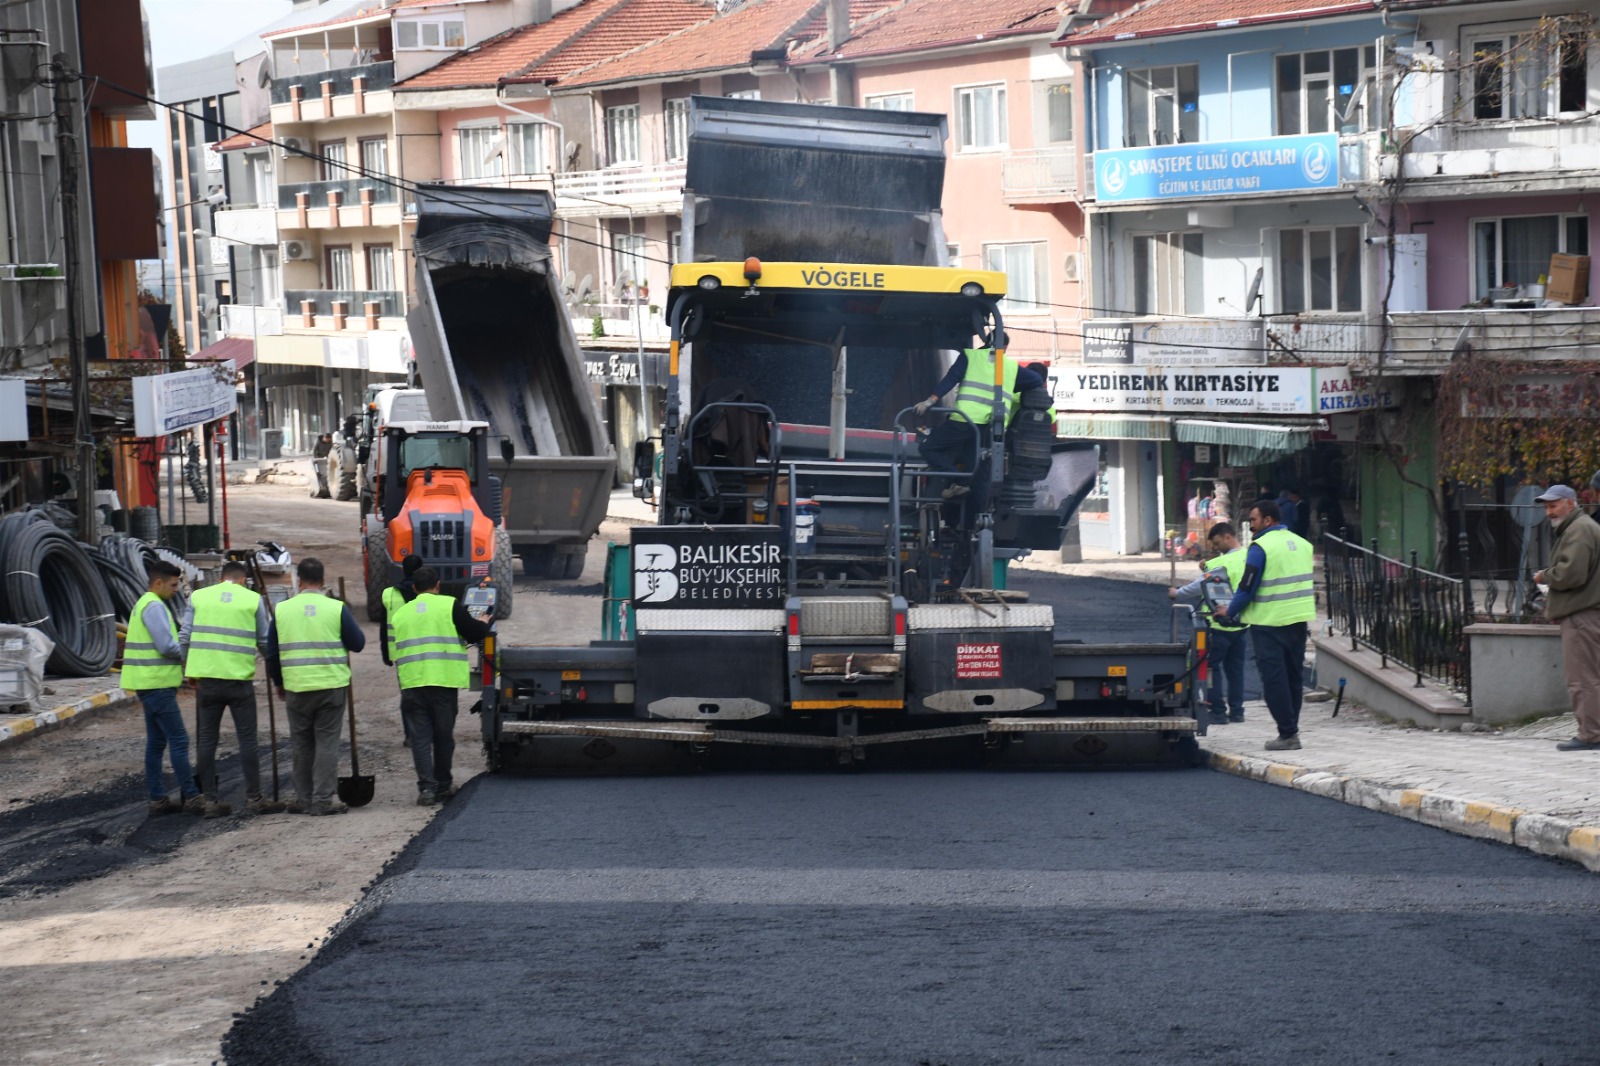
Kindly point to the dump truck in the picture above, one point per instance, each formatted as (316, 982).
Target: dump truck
(493, 344)
(808, 585)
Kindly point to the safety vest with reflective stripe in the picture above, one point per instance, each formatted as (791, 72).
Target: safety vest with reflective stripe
(428, 650)
(1285, 594)
(310, 650)
(393, 600)
(975, 395)
(144, 668)
(1232, 564)
(222, 638)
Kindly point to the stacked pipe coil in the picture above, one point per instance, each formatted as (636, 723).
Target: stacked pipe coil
(52, 583)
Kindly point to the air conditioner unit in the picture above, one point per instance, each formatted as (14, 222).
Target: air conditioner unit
(297, 250)
(1069, 266)
(292, 146)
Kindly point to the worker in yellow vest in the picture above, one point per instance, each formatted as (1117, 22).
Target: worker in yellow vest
(1277, 599)
(1224, 637)
(308, 659)
(952, 445)
(152, 669)
(431, 634)
(223, 626)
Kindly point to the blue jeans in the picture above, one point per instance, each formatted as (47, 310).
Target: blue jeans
(1225, 652)
(1281, 658)
(164, 731)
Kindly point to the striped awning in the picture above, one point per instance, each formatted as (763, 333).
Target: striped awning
(1249, 443)
(1081, 426)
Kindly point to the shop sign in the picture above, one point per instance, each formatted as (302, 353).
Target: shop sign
(1288, 390)
(1173, 342)
(1534, 396)
(708, 566)
(171, 403)
(1217, 168)
(622, 368)
(14, 408)
(1338, 392)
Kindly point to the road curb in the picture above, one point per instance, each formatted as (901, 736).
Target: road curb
(1540, 833)
(44, 721)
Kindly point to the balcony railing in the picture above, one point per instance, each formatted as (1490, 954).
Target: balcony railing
(243, 224)
(390, 304)
(251, 320)
(1491, 149)
(1333, 340)
(378, 76)
(1426, 341)
(383, 192)
(622, 184)
(1039, 172)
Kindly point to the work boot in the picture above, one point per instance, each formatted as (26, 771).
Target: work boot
(334, 807)
(262, 805)
(164, 805)
(444, 793)
(295, 806)
(427, 799)
(195, 804)
(1284, 743)
(213, 809)
(1235, 716)
(1578, 745)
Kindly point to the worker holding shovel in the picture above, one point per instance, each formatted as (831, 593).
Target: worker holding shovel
(430, 636)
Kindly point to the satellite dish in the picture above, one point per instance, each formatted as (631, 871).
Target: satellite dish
(585, 287)
(1527, 513)
(570, 152)
(569, 283)
(1254, 295)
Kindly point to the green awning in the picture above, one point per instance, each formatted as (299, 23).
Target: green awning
(1076, 425)
(1249, 443)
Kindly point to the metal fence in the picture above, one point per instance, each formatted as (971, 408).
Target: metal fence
(1399, 610)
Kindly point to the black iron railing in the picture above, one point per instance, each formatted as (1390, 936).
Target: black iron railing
(384, 191)
(378, 76)
(1401, 611)
(390, 304)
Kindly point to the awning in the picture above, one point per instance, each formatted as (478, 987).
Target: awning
(255, 137)
(1249, 443)
(1113, 427)
(242, 350)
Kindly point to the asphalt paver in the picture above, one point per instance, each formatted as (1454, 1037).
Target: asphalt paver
(943, 917)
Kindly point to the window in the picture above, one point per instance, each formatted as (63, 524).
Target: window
(952, 254)
(340, 267)
(1319, 269)
(1053, 112)
(622, 135)
(480, 151)
(431, 33)
(1168, 274)
(269, 283)
(628, 263)
(448, 453)
(334, 158)
(375, 155)
(744, 94)
(1327, 92)
(1516, 251)
(529, 154)
(676, 113)
(1527, 73)
(1027, 288)
(380, 268)
(981, 117)
(890, 102)
(1163, 106)
(675, 246)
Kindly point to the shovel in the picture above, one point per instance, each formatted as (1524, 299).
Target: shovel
(272, 738)
(355, 790)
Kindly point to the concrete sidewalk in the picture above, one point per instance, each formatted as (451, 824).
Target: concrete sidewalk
(1511, 786)
(69, 699)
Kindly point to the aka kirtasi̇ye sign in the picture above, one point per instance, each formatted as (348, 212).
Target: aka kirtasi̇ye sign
(1217, 168)
(708, 566)
(1253, 390)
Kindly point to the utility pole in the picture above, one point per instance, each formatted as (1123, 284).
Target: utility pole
(69, 144)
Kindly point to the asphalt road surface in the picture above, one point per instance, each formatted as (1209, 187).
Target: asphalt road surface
(943, 917)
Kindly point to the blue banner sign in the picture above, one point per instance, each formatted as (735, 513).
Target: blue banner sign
(1217, 168)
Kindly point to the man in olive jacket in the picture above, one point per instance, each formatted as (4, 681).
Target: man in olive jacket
(1574, 579)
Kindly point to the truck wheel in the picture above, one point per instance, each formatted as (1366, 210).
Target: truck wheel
(502, 574)
(572, 563)
(376, 550)
(536, 561)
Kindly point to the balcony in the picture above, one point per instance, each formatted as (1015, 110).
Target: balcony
(391, 304)
(339, 93)
(247, 320)
(33, 311)
(336, 204)
(1425, 342)
(1039, 175)
(256, 225)
(1523, 148)
(619, 320)
(1324, 340)
(620, 191)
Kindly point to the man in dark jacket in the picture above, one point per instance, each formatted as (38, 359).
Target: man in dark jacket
(1574, 579)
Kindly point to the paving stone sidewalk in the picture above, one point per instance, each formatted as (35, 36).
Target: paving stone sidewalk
(1511, 786)
(66, 700)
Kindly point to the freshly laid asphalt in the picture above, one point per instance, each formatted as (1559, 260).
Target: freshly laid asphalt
(943, 917)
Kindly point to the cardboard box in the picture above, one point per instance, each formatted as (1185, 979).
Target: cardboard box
(1569, 279)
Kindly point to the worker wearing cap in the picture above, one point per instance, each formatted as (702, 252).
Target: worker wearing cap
(308, 659)
(394, 597)
(223, 626)
(1276, 597)
(152, 669)
(1574, 580)
(431, 634)
(953, 445)
(1224, 637)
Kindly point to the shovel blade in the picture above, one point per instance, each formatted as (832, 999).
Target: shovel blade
(357, 791)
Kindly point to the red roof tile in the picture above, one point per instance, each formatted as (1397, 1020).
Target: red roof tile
(919, 25)
(254, 137)
(584, 34)
(1164, 17)
(366, 11)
